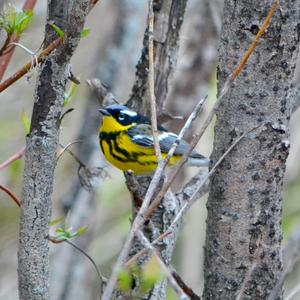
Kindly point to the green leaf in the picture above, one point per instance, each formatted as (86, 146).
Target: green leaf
(22, 21)
(56, 221)
(65, 234)
(14, 20)
(57, 29)
(124, 280)
(70, 93)
(85, 32)
(59, 230)
(81, 230)
(151, 274)
(26, 122)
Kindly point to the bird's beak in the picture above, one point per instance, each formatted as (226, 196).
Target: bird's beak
(104, 112)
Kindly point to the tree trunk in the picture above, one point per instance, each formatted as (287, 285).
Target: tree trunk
(41, 144)
(243, 242)
(168, 18)
(72, 275)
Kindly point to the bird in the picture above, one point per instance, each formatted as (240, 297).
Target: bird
(126, 141)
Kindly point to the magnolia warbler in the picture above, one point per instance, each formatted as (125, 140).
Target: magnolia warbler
(126, 141)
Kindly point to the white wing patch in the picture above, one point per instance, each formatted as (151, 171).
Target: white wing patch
(166, 135)
(143, 140)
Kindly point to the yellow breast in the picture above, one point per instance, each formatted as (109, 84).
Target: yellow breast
(121, 152)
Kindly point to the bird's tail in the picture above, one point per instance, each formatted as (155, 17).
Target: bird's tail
(198, 160)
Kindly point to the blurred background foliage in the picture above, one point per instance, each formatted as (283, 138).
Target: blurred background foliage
(110, 220)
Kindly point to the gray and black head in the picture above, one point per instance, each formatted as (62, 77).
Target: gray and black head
(123, 115)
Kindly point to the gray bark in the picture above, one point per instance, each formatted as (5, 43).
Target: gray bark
(71, 272)
(41, 145)
(244, 206)
(168, 18)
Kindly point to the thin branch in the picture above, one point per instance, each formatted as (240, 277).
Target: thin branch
(10, 194)
(139, 220)
(76, 158)
(55, 241)
(184, 286)
(293, 293)
(157, 200)
(5, 59)
(21, 72)
(13, 158)
(177, 288)
(210, 116)
(258, 36)
(29, 5)
(189, 201)
(31, 53)
(66, 148)
(151, 84)
(145, 250)
(102, 279)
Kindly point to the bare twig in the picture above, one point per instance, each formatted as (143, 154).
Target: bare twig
(10, 194)
(210, 116)
(144, 251)
(206, 177)
(77, 159)
(23, 47)
(56, 241)
(184, 286)
(5, 59)
(13, 158)
(20, 73)
(139, 220)
(151, 84)
(102, 279)
(189, 201)
(177, 288)
(66, 148)
(253, 45)
(293, 293)
(160, 195)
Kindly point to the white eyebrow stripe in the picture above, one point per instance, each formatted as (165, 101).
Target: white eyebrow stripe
(129, 113)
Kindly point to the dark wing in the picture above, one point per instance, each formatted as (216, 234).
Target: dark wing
(141, 134)
(166, 140)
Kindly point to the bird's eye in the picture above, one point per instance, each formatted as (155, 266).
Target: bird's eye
(121, 117)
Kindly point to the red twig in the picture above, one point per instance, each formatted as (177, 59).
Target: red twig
(9, 81)
(29, 5)
(5, 58)
(10, 194)
(188, 291)
(14, 157)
